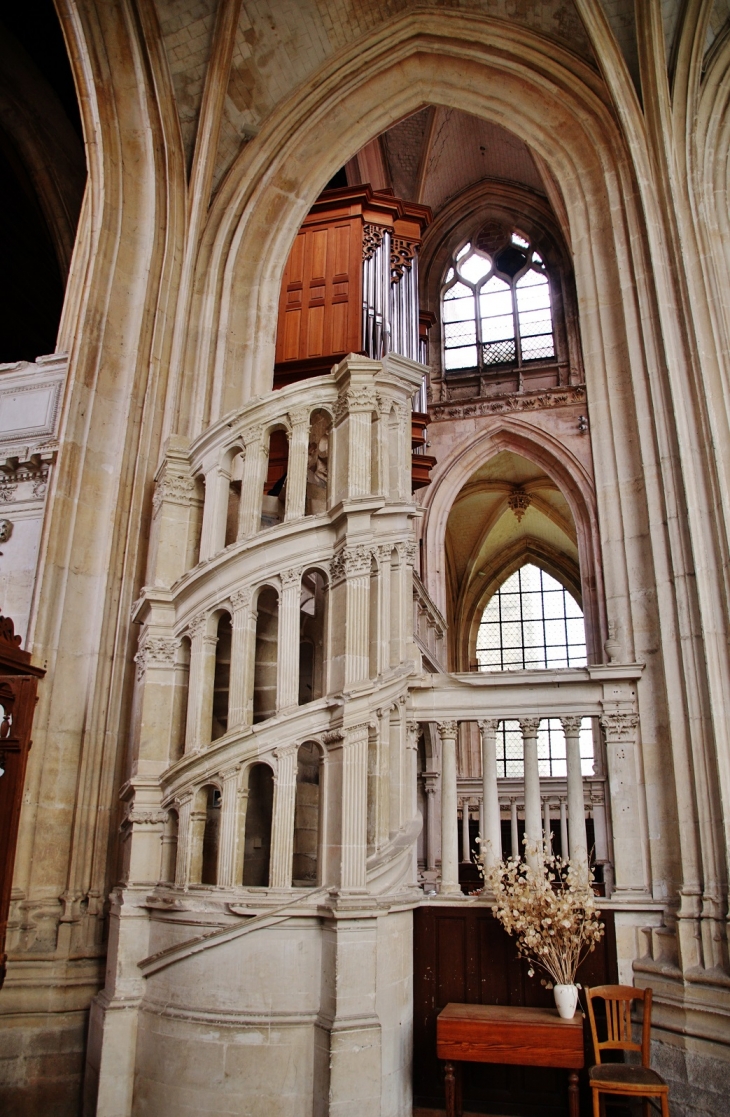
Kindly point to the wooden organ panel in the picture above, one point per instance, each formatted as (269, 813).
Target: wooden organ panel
(321, 303)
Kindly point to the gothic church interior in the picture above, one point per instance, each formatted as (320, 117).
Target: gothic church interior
(365, 500)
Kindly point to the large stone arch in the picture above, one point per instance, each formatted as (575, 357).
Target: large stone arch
(490, 69)
(560, 465)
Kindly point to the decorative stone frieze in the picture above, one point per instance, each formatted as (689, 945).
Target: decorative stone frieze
(447, 408)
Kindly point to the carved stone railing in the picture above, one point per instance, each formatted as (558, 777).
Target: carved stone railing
(606, 692)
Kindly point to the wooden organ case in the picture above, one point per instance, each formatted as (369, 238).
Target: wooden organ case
(18, 683)
(351, 286)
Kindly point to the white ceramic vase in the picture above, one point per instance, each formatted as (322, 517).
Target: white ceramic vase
(566, 1000)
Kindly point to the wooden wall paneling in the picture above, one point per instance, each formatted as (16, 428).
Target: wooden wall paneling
(464, 955)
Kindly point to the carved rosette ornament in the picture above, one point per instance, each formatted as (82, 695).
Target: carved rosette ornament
(402, 255)
(372, 239)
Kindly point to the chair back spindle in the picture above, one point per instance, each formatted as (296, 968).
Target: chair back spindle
(618, 1000)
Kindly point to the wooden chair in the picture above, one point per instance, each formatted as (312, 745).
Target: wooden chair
(622, 1078)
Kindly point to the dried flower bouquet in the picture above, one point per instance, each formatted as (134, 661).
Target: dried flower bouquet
(551, 911)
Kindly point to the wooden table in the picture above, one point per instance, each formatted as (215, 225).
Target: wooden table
(535, 1037)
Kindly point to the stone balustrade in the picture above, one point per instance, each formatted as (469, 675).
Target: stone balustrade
(605, 692)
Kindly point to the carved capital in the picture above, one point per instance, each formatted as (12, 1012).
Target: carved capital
(619, 725)
(357, 399)
(298, 416)
(197, 625)
(291, 578)
(173, 487)
(285, 752)
(411, 550)
(488, 727)
(447, 730)
(530, 726)
(155, 651)
(241, 599)
(571, 726)
(350, 562)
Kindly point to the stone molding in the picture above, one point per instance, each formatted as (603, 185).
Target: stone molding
(529, 401)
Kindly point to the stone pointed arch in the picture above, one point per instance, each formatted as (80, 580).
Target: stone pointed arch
(561, 466)
(490, 69)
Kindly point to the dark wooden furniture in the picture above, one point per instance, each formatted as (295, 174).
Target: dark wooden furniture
(502, 1034)
(462, 953)
(18, 682)
(622, 1078)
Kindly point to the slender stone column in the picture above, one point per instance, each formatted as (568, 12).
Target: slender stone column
(287, 678)
(198, 652)
(296, 476)
(465, 843)
(384, 607)
(430, 782)
(354, 807)
(491, 829)
(351, 566)
(546, 825)
(229, 828)
(256, 456)
(514, 830)
(449, 836)
(394, 783)
(215, 510)
(576, 805)
(184, 839)
(242, 651)
(563, 827)
(282, 836)
(533, 819)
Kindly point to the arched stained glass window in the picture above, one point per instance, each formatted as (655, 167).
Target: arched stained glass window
(531, 622)
(496, 310)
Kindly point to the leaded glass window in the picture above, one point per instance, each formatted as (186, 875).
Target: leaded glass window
(550, 749)
(496, 310)
(531, 622)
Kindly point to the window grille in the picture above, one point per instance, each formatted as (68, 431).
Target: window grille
(550, 749)
(496, 311)
(531, 622)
